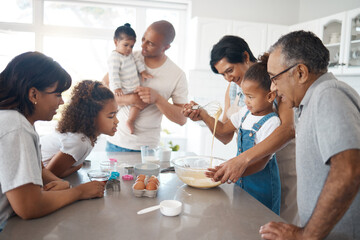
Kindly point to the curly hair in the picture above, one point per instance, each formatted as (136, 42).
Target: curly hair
(27, 70)
(258, 73)
(87, 99)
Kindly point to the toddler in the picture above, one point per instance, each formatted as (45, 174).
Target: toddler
(124, 68)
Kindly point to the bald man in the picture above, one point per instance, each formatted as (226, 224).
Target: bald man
(153, 95)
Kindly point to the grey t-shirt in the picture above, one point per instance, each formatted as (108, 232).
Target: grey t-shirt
(20, 157)
(329, 123)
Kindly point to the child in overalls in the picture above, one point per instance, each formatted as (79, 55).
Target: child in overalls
(254, 122)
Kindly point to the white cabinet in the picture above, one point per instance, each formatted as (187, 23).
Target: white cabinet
(204, 33)
(312, 26)
(352, 43)
(274, 32)
(332, 33)
(254, 34)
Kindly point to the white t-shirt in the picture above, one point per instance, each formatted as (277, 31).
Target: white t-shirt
(20, 161)
(76, 145)
(170, 82)
(266, 129)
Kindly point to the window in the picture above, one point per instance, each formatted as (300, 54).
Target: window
(79, 34)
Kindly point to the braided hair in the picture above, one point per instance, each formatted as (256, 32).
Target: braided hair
(87, 99)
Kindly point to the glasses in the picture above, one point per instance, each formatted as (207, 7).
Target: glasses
(273, 79)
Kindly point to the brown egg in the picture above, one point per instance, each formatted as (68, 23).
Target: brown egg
(154, 180)
(141, 177)
(139, 185)
(151, 186)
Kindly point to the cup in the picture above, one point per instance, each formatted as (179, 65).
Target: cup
(165, 154)
(150, 154)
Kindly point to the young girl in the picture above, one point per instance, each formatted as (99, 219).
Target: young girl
(30, 90)
(124, 68)
(91, 112)
(255, 122)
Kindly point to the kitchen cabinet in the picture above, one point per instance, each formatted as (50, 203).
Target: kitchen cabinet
(352, 43)
(274, 32)
(312, 26)
(254, 34)
(205, 32)
(332, 33)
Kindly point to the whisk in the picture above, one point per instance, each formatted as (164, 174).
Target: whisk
(211, 108)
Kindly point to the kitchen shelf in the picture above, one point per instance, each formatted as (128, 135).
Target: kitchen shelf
(332, 45)
(355, 41)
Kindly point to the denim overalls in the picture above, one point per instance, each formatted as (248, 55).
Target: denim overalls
(264, 185)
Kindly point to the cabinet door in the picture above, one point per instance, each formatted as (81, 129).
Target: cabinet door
(205, 32)
(332, 33)
(254, 34)
(312, 26)
(352, 43)
(274, 32)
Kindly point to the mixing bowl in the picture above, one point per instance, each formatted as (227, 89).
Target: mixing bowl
(191, 170)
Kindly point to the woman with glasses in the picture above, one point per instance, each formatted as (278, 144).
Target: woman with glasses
(232, 57)
(30, 90)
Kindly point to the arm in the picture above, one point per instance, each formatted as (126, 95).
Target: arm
(275, 141)
(340, 189)
(171, 111)
(52, 182)
(61, 163)
(29, 201)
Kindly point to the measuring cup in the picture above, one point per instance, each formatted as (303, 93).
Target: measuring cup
(168, 208)
(150, 154)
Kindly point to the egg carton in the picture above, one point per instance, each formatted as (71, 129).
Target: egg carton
(145, 192)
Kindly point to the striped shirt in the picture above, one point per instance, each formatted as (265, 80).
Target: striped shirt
(123, 72)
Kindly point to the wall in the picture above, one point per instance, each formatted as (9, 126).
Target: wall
(310, 9)
(275, 11)
(284, 12)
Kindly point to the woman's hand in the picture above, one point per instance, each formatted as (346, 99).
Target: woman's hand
(229, 171)
(56, 185)
(188, 112)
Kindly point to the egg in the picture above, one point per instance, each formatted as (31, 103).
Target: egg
(154, 180)
(139, 185)
(151, 186)
(141, 177)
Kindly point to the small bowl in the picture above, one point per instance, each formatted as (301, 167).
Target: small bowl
(147, 169)
(97, 175)
(191, 170)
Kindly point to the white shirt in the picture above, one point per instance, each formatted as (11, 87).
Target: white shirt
(170, 82)
(76, 145)
(20, 162)
(267, 128)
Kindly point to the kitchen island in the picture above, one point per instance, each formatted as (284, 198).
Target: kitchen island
(224, 212)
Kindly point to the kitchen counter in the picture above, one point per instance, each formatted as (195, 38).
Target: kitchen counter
(224, 212)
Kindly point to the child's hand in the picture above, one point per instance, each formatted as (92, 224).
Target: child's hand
(118, 92)
(145, 75)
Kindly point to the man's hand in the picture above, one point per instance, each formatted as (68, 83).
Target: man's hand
(147, 95)
(281, 231)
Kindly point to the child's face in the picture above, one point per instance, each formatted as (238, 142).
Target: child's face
(124, 46)
(106, 121)
(257, 100)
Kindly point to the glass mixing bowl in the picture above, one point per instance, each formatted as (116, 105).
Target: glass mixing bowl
(191, 170)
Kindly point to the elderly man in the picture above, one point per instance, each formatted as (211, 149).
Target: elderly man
(327, 141)
(169, 82)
